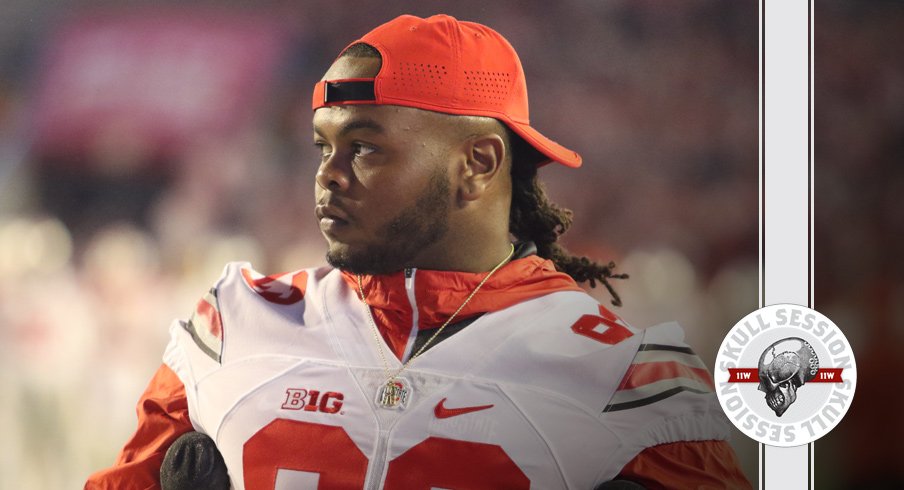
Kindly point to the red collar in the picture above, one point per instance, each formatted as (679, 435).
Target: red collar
(438, 294)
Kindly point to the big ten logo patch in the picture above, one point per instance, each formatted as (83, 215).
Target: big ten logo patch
(313, 400)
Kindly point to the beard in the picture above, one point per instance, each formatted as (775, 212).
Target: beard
(401, 239)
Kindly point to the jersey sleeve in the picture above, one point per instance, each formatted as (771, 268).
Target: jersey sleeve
(695, 464)
(196, 345)
(170, 406)
(229, 324)
(666, 415)
(165, 409)
(162, 418)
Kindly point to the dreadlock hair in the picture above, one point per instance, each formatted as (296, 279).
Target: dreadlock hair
(534, 217)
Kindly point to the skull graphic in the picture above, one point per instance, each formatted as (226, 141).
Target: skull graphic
(784, 367)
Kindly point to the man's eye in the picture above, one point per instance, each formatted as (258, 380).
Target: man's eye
(362, 150)
(324, 149)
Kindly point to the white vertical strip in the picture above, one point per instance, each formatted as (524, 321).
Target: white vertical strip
(785, 174)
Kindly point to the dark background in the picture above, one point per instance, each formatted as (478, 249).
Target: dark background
(859, 232)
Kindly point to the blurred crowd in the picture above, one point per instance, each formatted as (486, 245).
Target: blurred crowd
(144, 144)
(859, 227)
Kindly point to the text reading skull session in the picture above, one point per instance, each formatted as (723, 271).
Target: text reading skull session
(785, 375)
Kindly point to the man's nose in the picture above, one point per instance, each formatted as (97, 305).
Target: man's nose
(334, 173)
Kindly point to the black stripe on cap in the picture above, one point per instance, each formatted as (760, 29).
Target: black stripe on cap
(348, 91)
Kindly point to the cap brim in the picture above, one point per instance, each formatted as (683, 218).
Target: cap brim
(556, 152)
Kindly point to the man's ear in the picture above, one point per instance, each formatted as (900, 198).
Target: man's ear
(485, 159)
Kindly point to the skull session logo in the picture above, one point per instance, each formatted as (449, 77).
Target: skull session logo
(785, 374)
(780, 375)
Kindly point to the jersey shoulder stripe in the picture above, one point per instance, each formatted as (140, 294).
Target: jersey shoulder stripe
(205, 325)
(659, 371)
(283, 289)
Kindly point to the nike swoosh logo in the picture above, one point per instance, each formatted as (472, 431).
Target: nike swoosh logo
(442, 412)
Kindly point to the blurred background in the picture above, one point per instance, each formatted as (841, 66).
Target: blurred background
(143, 144)
(859, 231)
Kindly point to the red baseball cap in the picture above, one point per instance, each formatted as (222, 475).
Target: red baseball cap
(445, 65)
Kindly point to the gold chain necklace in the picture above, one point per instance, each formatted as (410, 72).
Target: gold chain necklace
(394, 392)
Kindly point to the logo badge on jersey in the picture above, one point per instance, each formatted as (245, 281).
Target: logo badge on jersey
(441, 411)
(394, 394)
(786, 375)
(313, 400)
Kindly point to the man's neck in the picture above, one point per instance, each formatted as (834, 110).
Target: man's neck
(465, 257)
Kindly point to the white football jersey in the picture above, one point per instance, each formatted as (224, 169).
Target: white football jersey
(554, 392)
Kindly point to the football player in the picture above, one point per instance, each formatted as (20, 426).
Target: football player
(447, 344)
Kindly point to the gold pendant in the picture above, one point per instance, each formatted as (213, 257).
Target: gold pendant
(394, 394)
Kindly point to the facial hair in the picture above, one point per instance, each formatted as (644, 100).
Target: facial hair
(413, 229)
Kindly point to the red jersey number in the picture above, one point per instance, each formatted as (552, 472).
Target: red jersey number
(303, 446)
(434, 462)
(446, 463)
(603, 328)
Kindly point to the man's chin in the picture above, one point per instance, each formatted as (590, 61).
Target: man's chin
(363, 261)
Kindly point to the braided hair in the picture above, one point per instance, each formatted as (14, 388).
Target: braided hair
(534, 217)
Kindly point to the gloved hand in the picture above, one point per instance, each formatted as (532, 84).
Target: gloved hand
(193, 463)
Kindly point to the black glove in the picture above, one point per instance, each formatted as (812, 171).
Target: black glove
(193, 463)
(619, 485)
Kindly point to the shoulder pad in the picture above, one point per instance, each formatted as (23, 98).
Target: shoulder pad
(563, 343)
(283, 289)
(206, 326)
(666, 395)
(662, 367)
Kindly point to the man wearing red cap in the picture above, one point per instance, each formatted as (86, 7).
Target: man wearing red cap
(433, 352)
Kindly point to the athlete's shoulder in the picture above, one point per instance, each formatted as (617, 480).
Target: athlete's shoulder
(243, 301)
(566, 344)
(241, 282)
(666, 395)
(663, 365)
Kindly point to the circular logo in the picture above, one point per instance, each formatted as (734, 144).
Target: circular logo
(785, 375)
